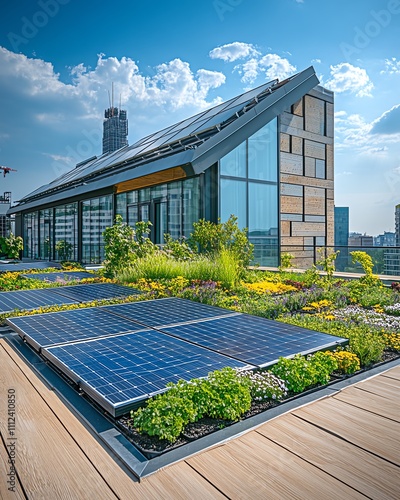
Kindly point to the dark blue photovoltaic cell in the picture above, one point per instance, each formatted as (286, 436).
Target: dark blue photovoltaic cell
(96, 291)
(166, 311)
(69, 326)
(31, 299)
(60, 276)
(251, 339)
(119, 371)
(25, 266)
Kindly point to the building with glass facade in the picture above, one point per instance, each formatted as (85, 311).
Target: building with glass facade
(265, 156)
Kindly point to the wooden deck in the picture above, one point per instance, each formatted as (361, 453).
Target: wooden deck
(343, 446)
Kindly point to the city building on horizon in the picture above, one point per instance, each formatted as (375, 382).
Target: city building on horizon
(115, 128)
(5, 220)
(392, 256)
(387, 239)
(360, 240)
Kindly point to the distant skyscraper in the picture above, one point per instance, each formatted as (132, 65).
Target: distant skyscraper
(342, 237)
(5, 221)
(392, 257)
(341, 226)
(115, 129)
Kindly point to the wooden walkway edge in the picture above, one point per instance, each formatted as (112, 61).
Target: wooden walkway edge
(344, 446)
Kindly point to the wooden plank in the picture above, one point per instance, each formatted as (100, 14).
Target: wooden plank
(48, 460)
(371, 432)
(10, 487)
(83, 449)
(314, 114)
(254, 467)
(392, 373)
(308, 229)
(384, 386)
(285, 228)
(297, 145)
(388, 407)
(291, 164)
(285, 143)
(292, 204)
(314, 149)
(357, 468)
(306, 181)
(297, 108)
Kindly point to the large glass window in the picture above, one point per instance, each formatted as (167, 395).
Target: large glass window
(31, 235)
(96, 216)
(66, 232)
(253, 196)
(190, 205)
(263, 153)
(175, 209)
(234, 201)
(234, 163)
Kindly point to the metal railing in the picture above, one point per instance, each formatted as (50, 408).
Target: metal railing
(386, 260)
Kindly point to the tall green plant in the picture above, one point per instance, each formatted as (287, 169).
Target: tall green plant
(211, 238)
(11, 246)
(123, 244)
(367, 264)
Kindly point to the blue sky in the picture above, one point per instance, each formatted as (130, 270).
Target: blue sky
(169, 60)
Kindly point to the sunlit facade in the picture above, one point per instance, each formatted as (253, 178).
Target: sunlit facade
(265, 156)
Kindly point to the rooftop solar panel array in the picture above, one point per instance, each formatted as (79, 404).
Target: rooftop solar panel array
(122, 370)
(121, 354)
(50, 329)
(31, 299)
(25, 266)
(251, 339)
(156, 313)
(60, 276)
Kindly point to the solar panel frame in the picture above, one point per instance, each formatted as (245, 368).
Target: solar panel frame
(134, 355)
(55, 328)
(250, 338)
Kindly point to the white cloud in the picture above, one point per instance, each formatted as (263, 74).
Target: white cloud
(233, 51)
(276, 67)
(388, 123)
(392, 67)
(316, 61)
(348, 78)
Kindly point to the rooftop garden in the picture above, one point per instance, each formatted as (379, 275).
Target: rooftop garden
(212, 267)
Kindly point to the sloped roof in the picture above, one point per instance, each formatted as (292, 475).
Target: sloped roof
(195, 143)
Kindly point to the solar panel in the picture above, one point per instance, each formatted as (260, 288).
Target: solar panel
(119, 372)
(31, 299)
(254, 340)
(25, 266)
(69, 326)
(166, 311)
(96, 291)
(60, 276)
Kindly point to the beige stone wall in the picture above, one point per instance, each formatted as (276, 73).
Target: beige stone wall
(307, 175)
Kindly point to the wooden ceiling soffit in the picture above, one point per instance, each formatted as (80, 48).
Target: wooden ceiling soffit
(171, 174)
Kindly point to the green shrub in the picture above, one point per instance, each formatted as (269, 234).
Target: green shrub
(228, 395)
(301, 372)
(11, 246)
(179, 249)
(368, 347)
(286, 261)
(165, 416)
(211, 238)
(367, 264)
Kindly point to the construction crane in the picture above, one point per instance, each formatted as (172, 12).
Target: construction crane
(6, 170)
